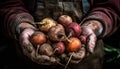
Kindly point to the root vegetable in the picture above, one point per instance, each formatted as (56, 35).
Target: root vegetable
(38, 38)
(59, 47)
(65, 20)
(46, 24)
(73, 29)
(56, 33)
(45, 49)
(73, 45)
(83, 39)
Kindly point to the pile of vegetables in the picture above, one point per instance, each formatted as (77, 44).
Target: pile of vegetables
(57, 37)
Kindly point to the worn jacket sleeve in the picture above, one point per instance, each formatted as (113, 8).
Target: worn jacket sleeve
(12, 13)
(107, 12)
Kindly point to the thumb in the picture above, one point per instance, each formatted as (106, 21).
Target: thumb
(24, 39)
(91, 42)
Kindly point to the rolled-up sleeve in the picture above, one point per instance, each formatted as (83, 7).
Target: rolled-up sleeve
(107, 12)
(12, 13)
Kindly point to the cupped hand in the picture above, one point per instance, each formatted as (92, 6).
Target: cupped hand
(29, 50)
(90, 31)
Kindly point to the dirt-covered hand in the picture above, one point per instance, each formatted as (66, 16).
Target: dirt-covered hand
(74, 57)
(91, 29)
(90, 38)
(29, 50)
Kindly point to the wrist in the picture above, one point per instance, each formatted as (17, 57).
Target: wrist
(23, 26)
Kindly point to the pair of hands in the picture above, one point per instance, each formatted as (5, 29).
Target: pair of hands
(29, 51)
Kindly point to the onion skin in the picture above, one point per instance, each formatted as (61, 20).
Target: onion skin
(73, 45)
(46, 24)
(38, 38)
(65, 20)
(74, 29)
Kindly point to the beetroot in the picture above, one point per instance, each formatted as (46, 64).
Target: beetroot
(83, 39)
(59, 47)
(56, 33)
(45, 49)
(38, 38)
(65, 20)
(73, 45)
(46, 24)
(73, 29)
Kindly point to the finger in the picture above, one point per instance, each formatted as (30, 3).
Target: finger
(40, 59)
(24, 40)
(45, 60)
(78, 55)
(37, 58)
(27, 46)
(63, 56)
(91, 42)
(75, 61)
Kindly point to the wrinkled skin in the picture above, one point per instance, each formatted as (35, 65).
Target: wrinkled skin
(90, 30)
(76, 56)
(30, 51)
